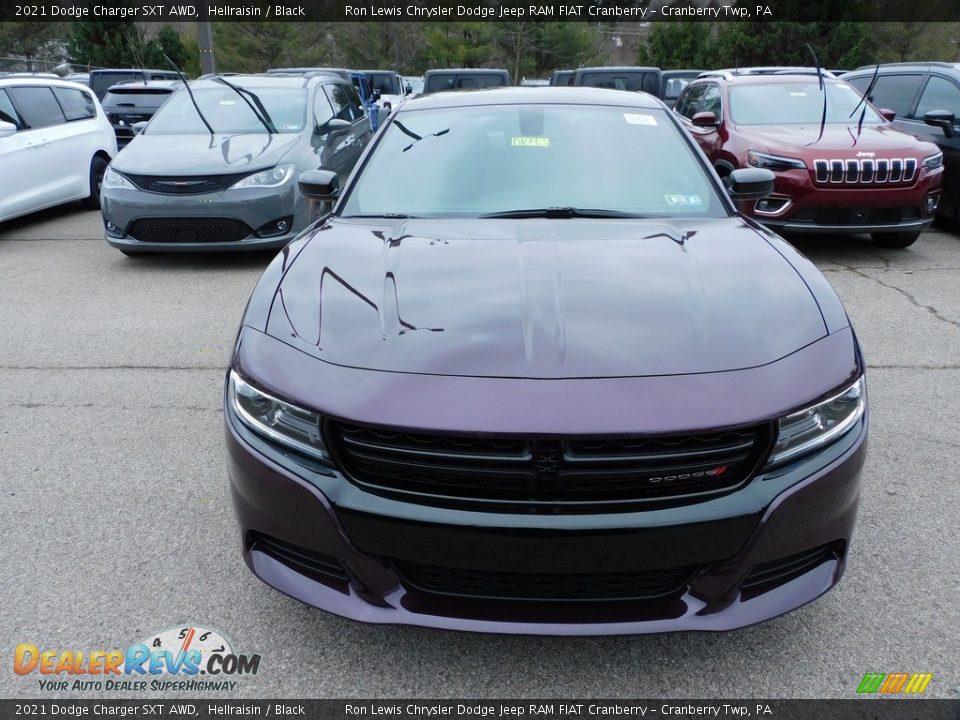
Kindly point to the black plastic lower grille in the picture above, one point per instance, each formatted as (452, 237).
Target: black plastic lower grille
(577, 475)
(854, 216)
(185, 184)
(776, 572)
(544, 586)
(189, 230)
(308, 562)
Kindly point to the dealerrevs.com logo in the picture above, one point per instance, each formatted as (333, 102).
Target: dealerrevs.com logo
(172, 660)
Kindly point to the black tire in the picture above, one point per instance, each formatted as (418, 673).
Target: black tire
(895, 239)
(98, 168)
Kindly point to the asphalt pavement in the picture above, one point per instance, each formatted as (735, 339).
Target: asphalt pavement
(116, 523)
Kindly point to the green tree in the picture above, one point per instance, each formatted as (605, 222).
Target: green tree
(458, 44)
(39, 44)
(570, 45)
(675, 45)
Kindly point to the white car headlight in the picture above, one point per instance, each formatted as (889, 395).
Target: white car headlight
(812, 428)
(113, 179)
(273, 177)
(277, 420)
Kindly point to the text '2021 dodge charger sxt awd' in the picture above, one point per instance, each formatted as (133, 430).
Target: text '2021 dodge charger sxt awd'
(534, 374)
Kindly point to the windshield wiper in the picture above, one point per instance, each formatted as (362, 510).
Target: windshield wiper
(243, 92)
(391, 216)
(561, 213)
(186, 84)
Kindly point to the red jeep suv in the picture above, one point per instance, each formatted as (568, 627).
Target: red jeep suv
(840, 165)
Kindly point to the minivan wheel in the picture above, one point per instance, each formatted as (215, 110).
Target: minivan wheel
(98, 168)
(896, 239)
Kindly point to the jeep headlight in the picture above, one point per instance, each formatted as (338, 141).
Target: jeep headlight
(273, 177)
(932, 162)
(807, 430)
(774, 162)
(287, 424)
(112, 179)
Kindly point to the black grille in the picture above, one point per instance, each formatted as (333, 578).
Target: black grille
(547, 475)
(643, 585)
(776, 572)
(189, 229)
(853, 216)
(308, 562)
(185, 184)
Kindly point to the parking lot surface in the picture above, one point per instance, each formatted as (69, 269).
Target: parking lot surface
(116, 520)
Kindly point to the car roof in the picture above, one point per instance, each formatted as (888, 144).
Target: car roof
(618, 68)
(146, 84)
(266, 80)
(922, 66)
(542, 95)
(763, 78)
(12, 80)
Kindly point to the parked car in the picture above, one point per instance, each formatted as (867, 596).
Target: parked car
(463, 79)
(390, 86)
(535, 374)
(135, 102)
(672, 83)
(835, 173)
(79, 77)
(562, 77)
(55, 144)
(105, 78)
(635, 79)
(227, 180)
(767, 70)
(368, 96)
(926, 100)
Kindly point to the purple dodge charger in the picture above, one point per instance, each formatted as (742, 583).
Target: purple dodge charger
(535, 374)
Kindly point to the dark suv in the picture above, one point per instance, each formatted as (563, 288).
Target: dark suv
(919, 93)
(840, 165)
(636, 79)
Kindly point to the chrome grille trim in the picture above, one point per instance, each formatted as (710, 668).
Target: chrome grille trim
(878, 171)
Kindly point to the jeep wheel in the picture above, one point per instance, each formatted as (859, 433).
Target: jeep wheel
(895, 239)
(98, 168)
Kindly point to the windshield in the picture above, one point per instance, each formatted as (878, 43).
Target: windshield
(226, 112)
(472, 161)
(793, 103)
(140, 97)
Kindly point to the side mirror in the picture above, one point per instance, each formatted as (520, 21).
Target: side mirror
(376, 94)
(334, 127)
(942, 119)
(408, 90)
(322, 185)
(750, 183)
(138, 127)
(888, 114)
(7, 129)
(704, 119)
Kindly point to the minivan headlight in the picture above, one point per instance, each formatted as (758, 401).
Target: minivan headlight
(275, 419)
(273, 177)
(112, 179)
(805, 431)
(774, 162)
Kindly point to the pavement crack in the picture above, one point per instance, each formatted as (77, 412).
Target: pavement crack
(929, 308)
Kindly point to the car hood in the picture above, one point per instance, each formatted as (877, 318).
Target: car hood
(544, 298)
(839, 140)
(203, 154)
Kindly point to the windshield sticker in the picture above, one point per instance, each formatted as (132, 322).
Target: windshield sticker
(228, 102)
(798, 94)
(528, 141)
(640, 119)
(687, 200)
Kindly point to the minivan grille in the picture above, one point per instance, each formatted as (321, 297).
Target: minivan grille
(547, 475)
(865, 171)
(637, 585)
(184, 184)
(189, 229)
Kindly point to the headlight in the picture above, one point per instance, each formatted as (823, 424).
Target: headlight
(805, 431)
(932, 162)
(113, 179)
(286, 424)
(266, 178)
(772, 162)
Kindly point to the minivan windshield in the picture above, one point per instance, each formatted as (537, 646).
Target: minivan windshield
(484, 160)
(226, 112)
(797, 103)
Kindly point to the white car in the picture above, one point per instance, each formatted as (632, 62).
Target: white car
(55, 145)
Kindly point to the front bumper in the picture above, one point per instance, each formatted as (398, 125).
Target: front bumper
(249, 209)
(310, 533)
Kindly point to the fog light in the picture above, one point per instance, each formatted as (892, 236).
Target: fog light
(930, 203)
(275, 227)
(771, 205)
(113, 230)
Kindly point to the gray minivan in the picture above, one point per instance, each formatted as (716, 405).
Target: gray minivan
(226, 178)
